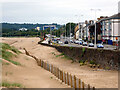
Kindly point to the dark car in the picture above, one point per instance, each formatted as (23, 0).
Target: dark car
(66, 42)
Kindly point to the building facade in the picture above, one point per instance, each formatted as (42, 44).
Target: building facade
(111, 27)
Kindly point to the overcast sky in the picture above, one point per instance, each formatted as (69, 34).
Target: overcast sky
(55, 11)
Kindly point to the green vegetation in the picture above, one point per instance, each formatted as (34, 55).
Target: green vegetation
(11, 85)
(6, 54)
(83, 50)
(71, 48)
(60, 55)
(53, 53)
(92, 62)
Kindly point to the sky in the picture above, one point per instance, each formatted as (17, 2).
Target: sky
(55, 11)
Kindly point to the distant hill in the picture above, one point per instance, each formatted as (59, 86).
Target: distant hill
(16, 26)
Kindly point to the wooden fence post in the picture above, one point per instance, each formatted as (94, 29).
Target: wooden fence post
(65, 77)
(62, 76)
(88, 87)
(51, 68)
(75, 82)
(68, 79)
(83, 85)
(93, 88)
(40, 62)
(79, 84)
(71, 80)
(58, 73)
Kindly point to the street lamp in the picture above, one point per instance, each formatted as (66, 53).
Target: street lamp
(95, 10)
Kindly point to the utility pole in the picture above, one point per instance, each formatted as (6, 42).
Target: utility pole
(95, 10)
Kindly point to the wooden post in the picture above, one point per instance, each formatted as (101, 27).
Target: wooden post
(68, 79)
(79, 84)
(71, 80)
(40, 62)
(75, 82)
(65, 77)
(51, 68)
(62, 76)
(93, 88)
(58, 73)
(83, 85)
(88, 87)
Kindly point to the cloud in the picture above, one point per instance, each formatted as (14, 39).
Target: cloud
(59, 11)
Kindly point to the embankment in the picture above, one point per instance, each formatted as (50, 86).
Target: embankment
(107, 59)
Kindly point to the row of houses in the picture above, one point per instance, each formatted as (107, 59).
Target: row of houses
(107, 29)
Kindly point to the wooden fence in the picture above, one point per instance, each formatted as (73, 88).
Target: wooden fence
(65, 77)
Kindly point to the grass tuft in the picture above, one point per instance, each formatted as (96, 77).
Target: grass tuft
(11, 85)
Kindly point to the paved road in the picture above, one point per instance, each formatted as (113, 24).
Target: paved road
(107, 47)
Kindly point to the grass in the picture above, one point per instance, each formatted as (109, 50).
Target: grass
(53, 53)
(11, 85)
(8, 55)
(60, 55)
(83, 50)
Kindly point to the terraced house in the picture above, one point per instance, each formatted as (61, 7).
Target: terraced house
(111, 28)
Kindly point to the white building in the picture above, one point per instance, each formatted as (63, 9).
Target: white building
(23, 29)
(111, 27)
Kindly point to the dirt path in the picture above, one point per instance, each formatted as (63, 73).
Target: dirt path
(99, 79)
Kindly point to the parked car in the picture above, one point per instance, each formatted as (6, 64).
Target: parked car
(71, 41)
(76, 42)
(100, 46)
(60, 42)
(85, 44)
(80, 42)
(91, 45)
(66, 42)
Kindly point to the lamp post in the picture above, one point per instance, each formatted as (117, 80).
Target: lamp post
(95, 10)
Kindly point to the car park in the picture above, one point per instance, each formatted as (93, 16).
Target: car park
(100, 46)
(90, 45)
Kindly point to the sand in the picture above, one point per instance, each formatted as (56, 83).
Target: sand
(98, 79)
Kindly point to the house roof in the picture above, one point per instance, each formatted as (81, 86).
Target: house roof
(116, 16)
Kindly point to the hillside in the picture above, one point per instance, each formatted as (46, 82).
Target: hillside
(16, 26)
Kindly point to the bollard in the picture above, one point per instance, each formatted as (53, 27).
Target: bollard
(71, 80)
(68, 79)
(75, 82)
(83, 85)
(79, 84)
